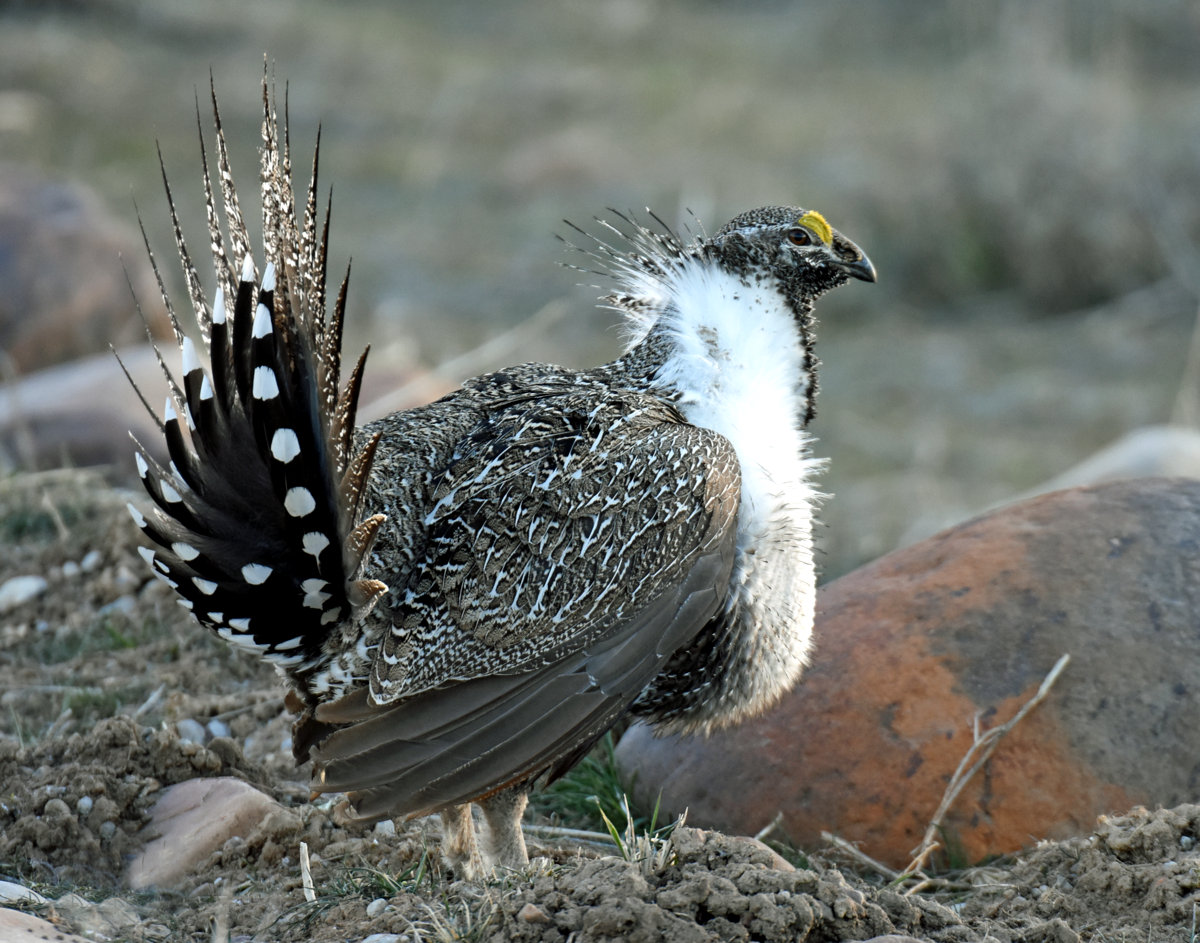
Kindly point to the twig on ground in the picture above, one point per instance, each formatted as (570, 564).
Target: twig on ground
(860, 856)
(306, 878)
(151, 702)
(580, 834)
(59, 724)
(256, 700)
(220, 922)
(60, 525)
(979, 753)
(767, 829)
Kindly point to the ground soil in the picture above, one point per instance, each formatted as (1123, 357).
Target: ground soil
(101, 671)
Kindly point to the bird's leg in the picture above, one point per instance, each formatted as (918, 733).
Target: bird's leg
(459, 848)
(504, 844)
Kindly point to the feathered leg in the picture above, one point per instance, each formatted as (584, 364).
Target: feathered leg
(459, 848)
(504, 844)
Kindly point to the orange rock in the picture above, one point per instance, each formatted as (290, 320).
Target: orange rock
(913, 647)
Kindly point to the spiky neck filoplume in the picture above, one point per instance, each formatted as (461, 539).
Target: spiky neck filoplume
(743, 296)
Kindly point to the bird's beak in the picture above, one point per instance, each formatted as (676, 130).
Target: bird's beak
(852, 260)
(860, 268)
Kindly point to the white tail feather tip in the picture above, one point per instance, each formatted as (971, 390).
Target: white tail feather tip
(255, 574)
(299, 502)
(138, 517)
(190, 360)
(285, 446)
(262, 322)
(265, 385)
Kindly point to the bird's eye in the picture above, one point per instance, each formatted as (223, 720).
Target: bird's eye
(799, 237)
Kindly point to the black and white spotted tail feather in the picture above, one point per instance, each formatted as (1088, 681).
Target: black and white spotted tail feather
(256, 523)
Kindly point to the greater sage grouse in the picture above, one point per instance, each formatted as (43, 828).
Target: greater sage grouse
(465, 596)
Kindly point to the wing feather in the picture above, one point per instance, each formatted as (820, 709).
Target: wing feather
(575, 543)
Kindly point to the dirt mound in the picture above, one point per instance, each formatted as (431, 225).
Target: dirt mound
(103, 672)
(1137, 873)
(73, 806)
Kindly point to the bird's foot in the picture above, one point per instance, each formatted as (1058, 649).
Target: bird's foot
(460, 850)
(503, 842)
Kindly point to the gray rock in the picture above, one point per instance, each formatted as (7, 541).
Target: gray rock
(14, 893)
(191, 731)
(217, 728)
(376, 907)
(19, 590)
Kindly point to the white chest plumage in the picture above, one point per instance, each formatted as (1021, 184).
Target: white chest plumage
(738, 368)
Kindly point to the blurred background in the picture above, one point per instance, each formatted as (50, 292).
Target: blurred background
(1023, 174)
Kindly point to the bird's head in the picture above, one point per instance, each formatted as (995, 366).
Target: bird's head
(794, 248)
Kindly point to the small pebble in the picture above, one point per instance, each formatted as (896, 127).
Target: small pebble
(376, 907)
(107, 830)
(21, 589)
(56, 809)
(217, 728)
(532, 913)
(190, 731)
(90, 561)
(383, 938)
(385, 827)
(1186, 842)
(70, 568)
(122, 605)
(84, 805)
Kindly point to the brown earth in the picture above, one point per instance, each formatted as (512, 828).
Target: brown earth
(100, 670)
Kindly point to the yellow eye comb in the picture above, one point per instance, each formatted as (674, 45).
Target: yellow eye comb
(816, 222)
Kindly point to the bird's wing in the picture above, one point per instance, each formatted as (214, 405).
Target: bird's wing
(574, 547)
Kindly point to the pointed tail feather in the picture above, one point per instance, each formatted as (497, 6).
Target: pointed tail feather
(256, 519)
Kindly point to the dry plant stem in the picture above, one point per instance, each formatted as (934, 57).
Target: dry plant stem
(476, 360)
(306, 878)
(983, 747)
(151, 702)
(60, 525)
(220, 923)
(766, 830)
(860, 856)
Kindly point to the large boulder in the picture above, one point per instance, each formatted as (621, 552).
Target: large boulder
(66, 264)
(916, 646)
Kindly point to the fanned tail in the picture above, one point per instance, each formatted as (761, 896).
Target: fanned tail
(257, 519)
